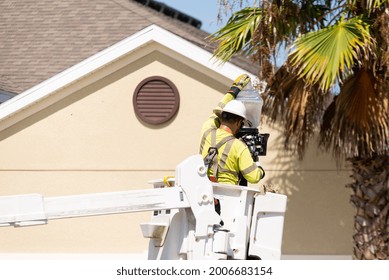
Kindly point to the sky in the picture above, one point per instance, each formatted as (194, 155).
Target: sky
(204, 10)
(207, 11)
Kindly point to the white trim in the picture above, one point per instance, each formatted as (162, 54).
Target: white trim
(152, 33)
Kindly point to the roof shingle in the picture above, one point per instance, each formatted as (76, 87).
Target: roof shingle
(41, 38)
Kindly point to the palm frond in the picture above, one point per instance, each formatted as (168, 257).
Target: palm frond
(297, 105)
(320, 56)
(375, 4)
(357, 122)
(237, 33)
(276, 94)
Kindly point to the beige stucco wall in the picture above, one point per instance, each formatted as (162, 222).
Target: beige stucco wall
(91, 141)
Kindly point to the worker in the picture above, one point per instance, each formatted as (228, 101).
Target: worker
(226, 156)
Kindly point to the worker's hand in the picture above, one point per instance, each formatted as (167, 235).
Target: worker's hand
(239, 83)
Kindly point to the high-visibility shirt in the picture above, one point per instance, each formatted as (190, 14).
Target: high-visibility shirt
(233, 157)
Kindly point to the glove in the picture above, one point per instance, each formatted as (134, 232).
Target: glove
(239, 84)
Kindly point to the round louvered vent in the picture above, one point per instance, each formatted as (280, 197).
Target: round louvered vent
(156, 100)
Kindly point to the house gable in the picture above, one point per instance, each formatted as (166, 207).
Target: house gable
(27, 103)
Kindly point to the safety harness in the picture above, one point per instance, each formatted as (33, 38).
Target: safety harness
(210, 160)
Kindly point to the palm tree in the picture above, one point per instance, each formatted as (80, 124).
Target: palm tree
(335, 80)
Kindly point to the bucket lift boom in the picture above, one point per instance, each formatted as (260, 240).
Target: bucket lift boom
(184, 224)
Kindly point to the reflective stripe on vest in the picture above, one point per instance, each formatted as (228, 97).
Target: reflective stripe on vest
(249, 169)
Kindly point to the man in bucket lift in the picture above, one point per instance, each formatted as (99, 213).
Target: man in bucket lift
(224, 155)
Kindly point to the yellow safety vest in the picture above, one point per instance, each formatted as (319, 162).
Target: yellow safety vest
(233, 156)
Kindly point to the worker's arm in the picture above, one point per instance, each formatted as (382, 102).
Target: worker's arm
(215, 118)
(238, 84)
(213, 122)
(250, 170)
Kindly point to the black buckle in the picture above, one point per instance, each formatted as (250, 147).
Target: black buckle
(212, 152)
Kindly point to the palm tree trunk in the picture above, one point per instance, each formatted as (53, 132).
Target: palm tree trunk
(370, 197)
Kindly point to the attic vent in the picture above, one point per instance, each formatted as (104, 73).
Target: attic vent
(156, 100)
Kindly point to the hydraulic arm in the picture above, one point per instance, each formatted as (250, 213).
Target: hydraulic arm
(184, 224)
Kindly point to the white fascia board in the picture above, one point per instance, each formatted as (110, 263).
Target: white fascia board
(72, 74)
(196, 53)
(153, 33)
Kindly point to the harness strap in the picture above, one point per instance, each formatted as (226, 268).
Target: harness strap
(211, 158)
(205, 135)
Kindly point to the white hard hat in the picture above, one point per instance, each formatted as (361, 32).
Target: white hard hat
(235, 107)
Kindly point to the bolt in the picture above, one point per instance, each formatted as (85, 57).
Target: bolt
(201, 170)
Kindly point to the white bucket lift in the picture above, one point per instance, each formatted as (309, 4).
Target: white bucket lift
(184, 224)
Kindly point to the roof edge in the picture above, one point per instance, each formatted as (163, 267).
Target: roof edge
(152, 33)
